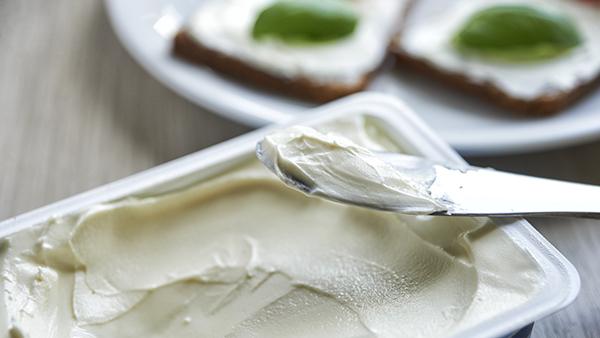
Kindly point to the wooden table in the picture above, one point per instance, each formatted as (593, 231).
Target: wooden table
(78, 112)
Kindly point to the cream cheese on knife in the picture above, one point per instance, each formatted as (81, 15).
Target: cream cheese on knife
(242, 255)
(334, 166)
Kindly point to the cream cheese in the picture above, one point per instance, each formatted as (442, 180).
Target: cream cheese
(333, 166)
(226, 26)
(242, 255)
(431, 25)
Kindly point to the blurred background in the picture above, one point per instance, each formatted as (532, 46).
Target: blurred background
(77, 112)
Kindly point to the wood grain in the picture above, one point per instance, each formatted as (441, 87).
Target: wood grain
(77, 112)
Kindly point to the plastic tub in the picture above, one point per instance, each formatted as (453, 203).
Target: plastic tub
(561, 281)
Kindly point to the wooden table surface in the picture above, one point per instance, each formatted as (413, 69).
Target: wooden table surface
(77, 112)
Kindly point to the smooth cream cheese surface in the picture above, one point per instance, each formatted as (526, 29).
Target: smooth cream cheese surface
(429, 29)
(226, 26)
(333, 166)
(242, 255)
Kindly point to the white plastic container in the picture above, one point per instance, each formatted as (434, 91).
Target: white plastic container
(561, 281)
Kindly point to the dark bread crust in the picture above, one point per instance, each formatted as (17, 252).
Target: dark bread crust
(541, 106)
(188, 48)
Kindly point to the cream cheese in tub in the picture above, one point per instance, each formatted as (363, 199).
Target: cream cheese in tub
(240, 254)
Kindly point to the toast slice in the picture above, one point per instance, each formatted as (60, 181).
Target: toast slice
(302, 87)
(534, 88)
(219, 36)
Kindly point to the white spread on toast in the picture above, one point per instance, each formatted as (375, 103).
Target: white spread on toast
(226, 26)
(431, 24)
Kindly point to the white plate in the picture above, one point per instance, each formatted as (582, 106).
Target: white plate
(146, 28)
